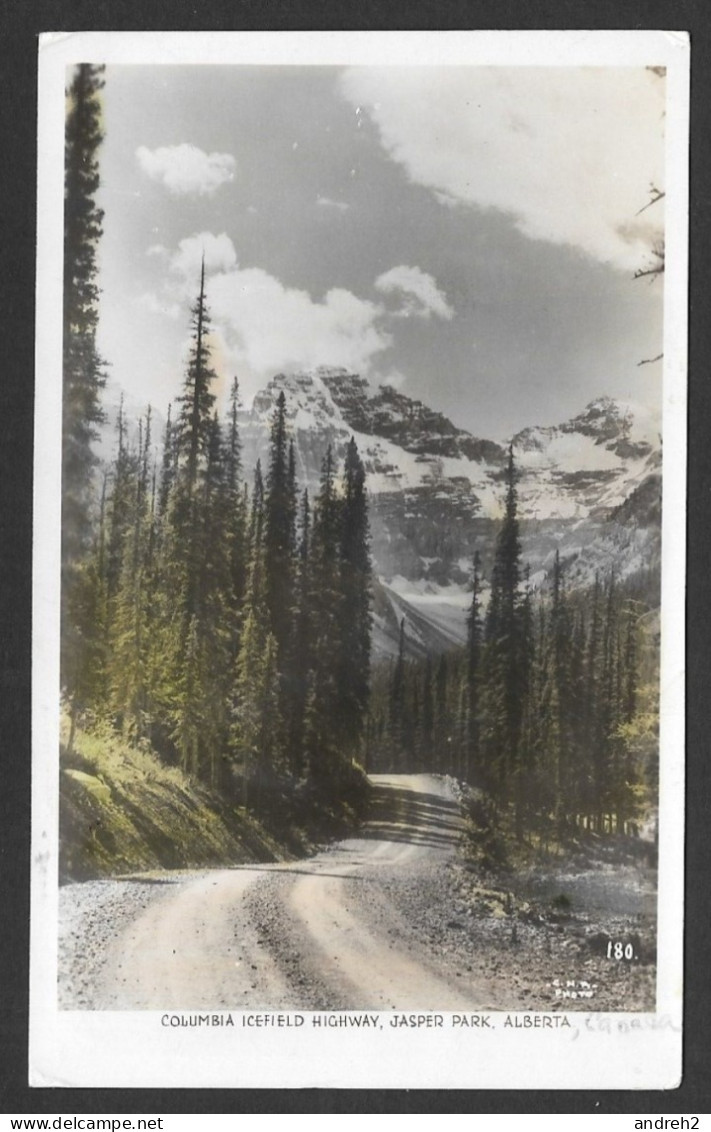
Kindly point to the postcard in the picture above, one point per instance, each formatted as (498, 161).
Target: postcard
(359, 567)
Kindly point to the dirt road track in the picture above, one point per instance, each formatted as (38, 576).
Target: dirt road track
(334, 931)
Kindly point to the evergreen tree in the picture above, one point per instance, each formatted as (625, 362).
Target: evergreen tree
(83, 368)
(279, 531)
(257, 730)
(256, 524)
(397, 700)
(629, 667)
(325, 600)
(86, 610)
(505, 662)
(302, 653)
(216, 607)
(592, 723)
(124, 480)
(83, 613)
(413, 739)
(292, 489)
(473, 675)
(575, 710)
(442, 718)
(193, 433)
(132, 607)
(608, 707)
(427, 715)
(167, 466)
(559, 737)
(197, 400)
(460, 737)
(235, 521)
(191, 607)
(186, 700)
(354, 663)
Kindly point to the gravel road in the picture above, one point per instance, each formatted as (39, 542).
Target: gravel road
(323, 933)
(378, 921)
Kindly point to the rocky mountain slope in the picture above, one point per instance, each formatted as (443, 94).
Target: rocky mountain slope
(589, 488)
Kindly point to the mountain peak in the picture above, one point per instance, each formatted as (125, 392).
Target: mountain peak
(436, 491)
(604, 418)
(586, 465)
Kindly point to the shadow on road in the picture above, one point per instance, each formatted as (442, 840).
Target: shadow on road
(398, 814)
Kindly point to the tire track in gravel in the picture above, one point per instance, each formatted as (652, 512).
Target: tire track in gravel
(338, 934)
(323, 933)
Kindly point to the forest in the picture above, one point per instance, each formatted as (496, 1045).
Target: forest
(226, 623)
(550, 711)
(228, 628)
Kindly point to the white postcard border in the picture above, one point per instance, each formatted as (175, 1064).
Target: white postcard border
(137, 1049)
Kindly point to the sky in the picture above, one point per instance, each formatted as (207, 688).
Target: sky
(469, 235)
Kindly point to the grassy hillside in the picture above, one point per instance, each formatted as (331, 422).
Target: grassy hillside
(122, 811)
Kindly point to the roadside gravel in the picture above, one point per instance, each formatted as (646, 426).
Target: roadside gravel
(393, 919)
(92, 916)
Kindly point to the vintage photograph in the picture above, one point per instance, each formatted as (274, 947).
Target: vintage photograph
(363, 376)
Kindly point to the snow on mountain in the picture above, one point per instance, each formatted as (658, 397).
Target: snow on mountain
(586, 465)
(586, 487)
(403, 444)
(589, 464)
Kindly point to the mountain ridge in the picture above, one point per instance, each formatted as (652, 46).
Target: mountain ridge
(590, 462)
(587, 488)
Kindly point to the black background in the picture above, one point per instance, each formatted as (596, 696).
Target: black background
(20, 24)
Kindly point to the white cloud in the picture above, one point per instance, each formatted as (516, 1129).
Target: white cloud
(327, 202)
(156, 305)
(186, 169)
(219, 252)
(270, 327)
(394, 379)
(570, 153)
(265, 327)
(421, 294)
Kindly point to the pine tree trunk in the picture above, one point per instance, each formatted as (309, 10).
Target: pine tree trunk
(72, 726)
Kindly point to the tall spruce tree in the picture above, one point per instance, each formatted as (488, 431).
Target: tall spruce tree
(427, 715)
(279, 530)
(608, 703)
(192, 435)
(167, 475)
(124, 477)
(83, 368)
(506, 675)
(216, 609)
(257, 729)
(302, 651)
(473, 674)
(529, 752)
(197, 399)
(190, 607)
(442, 717)
(322, 727)
(235, 521)
(559, 738)
(354, 661)
(131, 637)
(397, 701)
(592, 723)
(83, 626)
